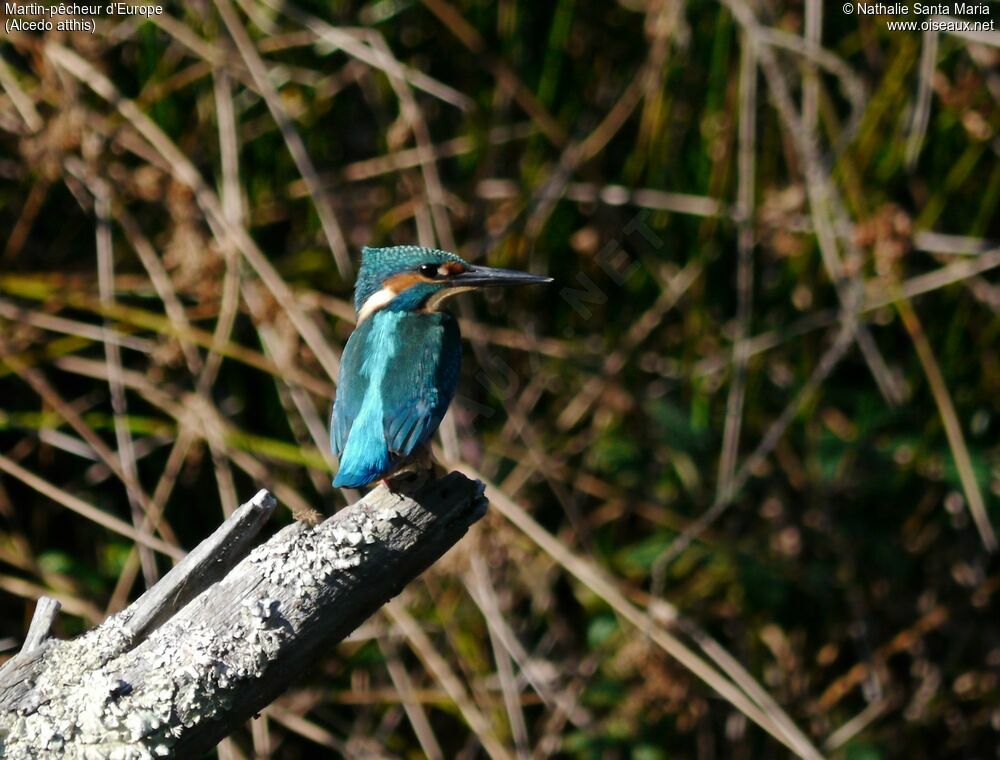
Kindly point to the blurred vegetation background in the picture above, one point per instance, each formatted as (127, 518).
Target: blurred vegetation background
(747, 444)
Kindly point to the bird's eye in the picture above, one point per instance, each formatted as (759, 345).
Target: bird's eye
(428, 270)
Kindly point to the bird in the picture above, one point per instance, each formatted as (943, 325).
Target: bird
(400, 367)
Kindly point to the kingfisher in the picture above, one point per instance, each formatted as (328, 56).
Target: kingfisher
(400, 368)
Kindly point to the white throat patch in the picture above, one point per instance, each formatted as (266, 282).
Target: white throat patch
(377, 300)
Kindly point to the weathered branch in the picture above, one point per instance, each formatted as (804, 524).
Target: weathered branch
(222, 634)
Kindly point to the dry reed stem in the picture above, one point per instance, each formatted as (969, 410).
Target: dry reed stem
(952, 426)
(745, 204)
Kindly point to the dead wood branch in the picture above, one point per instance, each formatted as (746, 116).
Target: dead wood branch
(225, 632)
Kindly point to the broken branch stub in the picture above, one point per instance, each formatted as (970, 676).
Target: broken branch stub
(169, 676)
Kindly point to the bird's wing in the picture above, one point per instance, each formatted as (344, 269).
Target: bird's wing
(398, 375)
(421, 380)
(351, 388)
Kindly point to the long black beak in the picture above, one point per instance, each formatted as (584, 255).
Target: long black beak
(479, 277)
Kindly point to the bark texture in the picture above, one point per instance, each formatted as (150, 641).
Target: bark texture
(225, 632)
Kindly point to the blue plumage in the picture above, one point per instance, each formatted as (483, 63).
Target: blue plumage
(409, 365)
(400, 368)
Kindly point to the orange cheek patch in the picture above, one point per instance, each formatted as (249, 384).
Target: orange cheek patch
(400, 282)
(453, 267)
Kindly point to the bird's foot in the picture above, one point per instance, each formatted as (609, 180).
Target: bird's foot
(409, 480)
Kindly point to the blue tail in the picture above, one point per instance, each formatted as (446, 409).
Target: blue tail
(366, 456)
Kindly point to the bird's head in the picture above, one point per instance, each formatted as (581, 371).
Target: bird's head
(411, 278)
